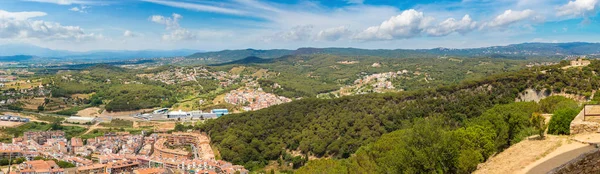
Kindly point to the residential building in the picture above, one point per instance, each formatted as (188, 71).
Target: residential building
(40, 167)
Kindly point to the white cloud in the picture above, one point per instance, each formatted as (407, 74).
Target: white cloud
(333, 34)
(510, 17)
(20, 15)
(128, 33)
(297, 33)
(451, 25)
(408, 24)
(169, 22)
(65, 2)
(176, 33)
(577, 8)
(179, 35)
(17, 25)
(81, 9)
(197, 7)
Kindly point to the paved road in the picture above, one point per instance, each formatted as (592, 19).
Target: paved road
(561, 159)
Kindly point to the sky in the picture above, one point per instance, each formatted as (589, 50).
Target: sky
(84, 25)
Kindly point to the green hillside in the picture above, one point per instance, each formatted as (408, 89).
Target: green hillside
(337, 128)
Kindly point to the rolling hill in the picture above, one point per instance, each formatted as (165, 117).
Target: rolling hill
(554, 51)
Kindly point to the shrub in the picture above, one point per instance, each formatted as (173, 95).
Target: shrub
(560, 122)
(552, 103)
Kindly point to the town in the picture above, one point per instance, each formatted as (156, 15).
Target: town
(50, 152)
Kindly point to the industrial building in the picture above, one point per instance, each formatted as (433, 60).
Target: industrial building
(215, 113)
(14, 118)
(220, 112)
(81, 120)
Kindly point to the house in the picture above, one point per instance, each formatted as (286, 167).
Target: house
(42, 137)
(40, 167)
(121, 166)
(580, 62)
(150, 171)
(95, 168)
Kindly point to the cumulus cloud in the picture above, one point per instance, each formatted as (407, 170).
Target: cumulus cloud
(408, 24)
(510, 17)
(451, 25)
(169, 22)
(577, 8)
(128, 33)
(179, 35)
(297, 33)
(18, 25)
(333, 34)
(176, 33)
(81, 9)
(20, 15)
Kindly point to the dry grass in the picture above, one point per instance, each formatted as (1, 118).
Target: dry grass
(82, 96)
(10, 124)
(237, 70)
(520, 155)
(21, 84)
(32, 104)
(89, 112)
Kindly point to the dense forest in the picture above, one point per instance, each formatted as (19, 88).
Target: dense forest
(337, 128)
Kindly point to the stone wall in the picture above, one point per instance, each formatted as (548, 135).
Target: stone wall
(578, 125)
(585, 163)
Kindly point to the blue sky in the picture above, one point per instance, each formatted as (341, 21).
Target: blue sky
(82, 25)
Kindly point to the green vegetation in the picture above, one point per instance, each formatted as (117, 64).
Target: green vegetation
(136, 96)
(560, 123)
(64, 164)
(552, 103)
(118, 88)
(118, 123)
(5, 161)
(337, 128)
(69, 112)
(70, 131)
(539, 124)
(432, 146)
(309, 75)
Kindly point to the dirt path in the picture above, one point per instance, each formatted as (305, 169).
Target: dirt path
(93, 127)
(538, 156)
(520, 155)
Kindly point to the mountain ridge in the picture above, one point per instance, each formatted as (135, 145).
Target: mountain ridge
(512, 51)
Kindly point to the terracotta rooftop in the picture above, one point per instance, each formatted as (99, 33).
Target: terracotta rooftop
(150, 171)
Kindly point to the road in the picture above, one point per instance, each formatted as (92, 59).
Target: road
(559, 160)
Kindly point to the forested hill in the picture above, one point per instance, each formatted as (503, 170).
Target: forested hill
(337, 128)
(515, 51)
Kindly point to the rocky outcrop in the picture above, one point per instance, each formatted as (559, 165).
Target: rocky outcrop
(585, 163)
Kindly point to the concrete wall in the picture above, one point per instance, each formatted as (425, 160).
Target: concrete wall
(585, 163)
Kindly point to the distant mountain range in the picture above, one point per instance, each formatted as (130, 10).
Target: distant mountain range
(515, 51)
(11, 52)
(24, 53)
